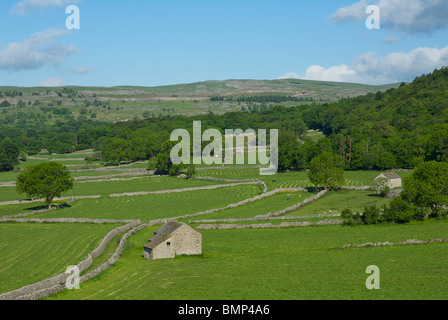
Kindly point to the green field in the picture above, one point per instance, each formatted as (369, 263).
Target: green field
(287, 264)
(273, 203)
(105, 188)
(32, 252)
(150, 207)
(336, 201)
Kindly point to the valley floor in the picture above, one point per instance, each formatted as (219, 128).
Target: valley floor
(279, 241)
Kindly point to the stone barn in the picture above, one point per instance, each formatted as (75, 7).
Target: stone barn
(173, 239)
(393, 179)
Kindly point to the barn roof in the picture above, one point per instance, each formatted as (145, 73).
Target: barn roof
(163, 233)
(168, 228)
(156, 240)
(391, 175)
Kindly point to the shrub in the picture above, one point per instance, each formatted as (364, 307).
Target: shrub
(399, 211)
(347, 216)
(370, 215)
(152, 164)
(404, 216)
(420, 214)
(380, 186)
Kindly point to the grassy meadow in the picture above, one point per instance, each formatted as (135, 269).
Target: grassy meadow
(288, 264)
(305, 262)
(157, 206)
(32, 252)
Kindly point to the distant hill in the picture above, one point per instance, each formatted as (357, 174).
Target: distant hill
(134, 102)
(318, 89)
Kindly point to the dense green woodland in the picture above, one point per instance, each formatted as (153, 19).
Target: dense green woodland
(399, 128)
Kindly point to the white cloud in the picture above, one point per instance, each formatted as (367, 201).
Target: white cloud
(370, 68)
(26, 6)
(411, 16)
(355, 12)
(289, 75)
(52, 82)
(390, 40)
(81, 70)
(336, 73)
(35, 52)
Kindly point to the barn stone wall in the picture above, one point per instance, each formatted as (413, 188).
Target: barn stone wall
(183, 241)
(187, 241)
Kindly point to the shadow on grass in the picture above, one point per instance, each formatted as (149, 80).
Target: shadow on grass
(37, 208)
(374, 195)
(43, 207)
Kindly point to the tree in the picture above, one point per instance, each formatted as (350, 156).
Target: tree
(427, 186)
(116, 150)
(164, 165)
(327, 170)
(9, 155)
(191, 171)
(287, 150)
(380, 186)
(399, 211)
(347, 216)
(47, 180)
(370, 215)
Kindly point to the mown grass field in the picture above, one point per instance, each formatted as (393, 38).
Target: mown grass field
(272, 203)
(150, 207)
(32, 252)
(286, 264)
(105, 188)
(336, 201)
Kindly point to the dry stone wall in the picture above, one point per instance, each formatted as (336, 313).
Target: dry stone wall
(267, 225)
(265, 188)
(65, 220)
(360, 188)
(6, 203)
(230, 168)
(387, 243)
(113, 169)
(268, 218)
(118, 175)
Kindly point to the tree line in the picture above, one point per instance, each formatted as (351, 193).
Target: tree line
(262, 98)
(399, 128)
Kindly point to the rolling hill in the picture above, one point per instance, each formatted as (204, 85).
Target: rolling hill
(131, 102)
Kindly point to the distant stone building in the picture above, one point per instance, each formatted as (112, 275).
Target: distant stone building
(173, 239)
(394, 180)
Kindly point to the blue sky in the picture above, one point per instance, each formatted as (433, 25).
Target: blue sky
(150, 43)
